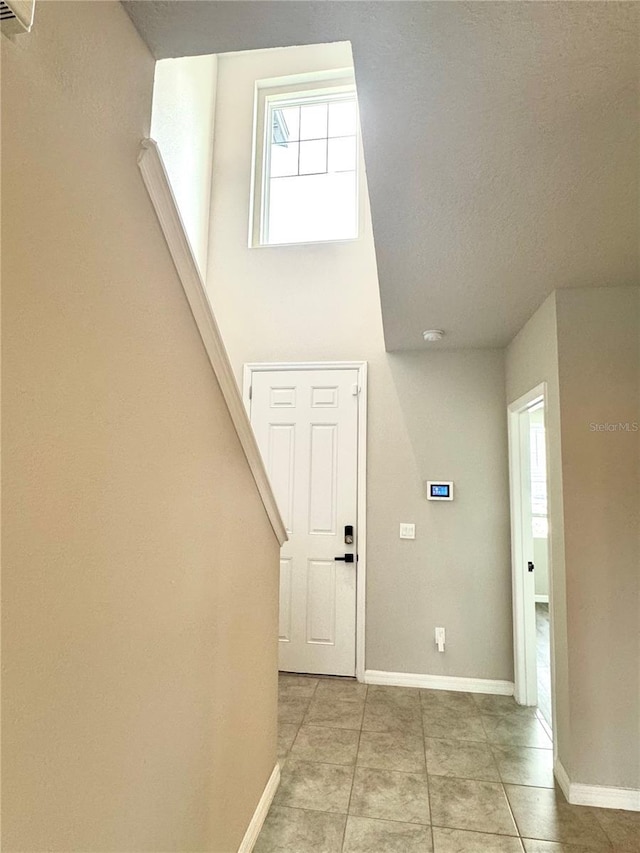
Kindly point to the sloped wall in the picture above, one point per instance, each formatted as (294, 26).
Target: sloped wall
(139, 567)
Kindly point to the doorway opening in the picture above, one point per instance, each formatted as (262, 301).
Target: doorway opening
(531, 563)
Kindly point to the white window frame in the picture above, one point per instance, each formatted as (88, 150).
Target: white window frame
(304, 88)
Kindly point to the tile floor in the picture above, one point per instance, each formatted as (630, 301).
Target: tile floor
(401, 770)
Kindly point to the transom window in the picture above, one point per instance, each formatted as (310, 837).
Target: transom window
(310, 169)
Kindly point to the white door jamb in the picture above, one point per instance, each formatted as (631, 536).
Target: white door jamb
(525, 676)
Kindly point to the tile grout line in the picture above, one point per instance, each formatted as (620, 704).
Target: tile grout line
(504, 790)
(298, 725)
(594, 811)
(495, 749)
(426, 772)
(355, 767)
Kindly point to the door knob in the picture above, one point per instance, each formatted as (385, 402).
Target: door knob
(530, 566)
(348, 558)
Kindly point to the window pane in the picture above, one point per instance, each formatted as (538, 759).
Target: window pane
(342, 154)
(342, 118)
(313, 121)
(313, 207)
(313, 157)
(540, 527)
(285, 124)
(284, 159)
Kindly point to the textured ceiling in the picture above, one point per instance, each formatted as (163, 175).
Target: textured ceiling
(501, 139)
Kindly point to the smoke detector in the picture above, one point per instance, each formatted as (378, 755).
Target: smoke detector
(433, 335)
(16, 16)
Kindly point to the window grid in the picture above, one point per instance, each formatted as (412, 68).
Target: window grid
(319, 206)
(278, 107)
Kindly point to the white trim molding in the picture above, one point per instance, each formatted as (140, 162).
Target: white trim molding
(439, 682)
(524, 653)
(600, 796)
(541, 599)
(255, 824)
(157, 183)
(361, 367)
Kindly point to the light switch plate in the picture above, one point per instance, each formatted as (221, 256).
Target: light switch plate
(407, 531)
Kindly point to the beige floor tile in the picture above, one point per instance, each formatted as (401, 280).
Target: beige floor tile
(297, 831)
(406, 696)
(341, 688)
(292, 709)
(286, 735)
(331, 746)
(308, 785)
(534, 846)
(545, 814)
(467, 804)
(335, 712)
(392, 751)
(364, 835)
(447, 700)
(386, 716)
(622, 828)
(297, 685)
(516, 730)
(462, 759)
(524, 765)
(453, 724)
(501, 705)
(390, 795)
(461, 841)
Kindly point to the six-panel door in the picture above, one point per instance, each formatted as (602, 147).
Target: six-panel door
(306, 424)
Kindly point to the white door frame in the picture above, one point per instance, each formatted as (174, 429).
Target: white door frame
(525, 677)
(361, 367)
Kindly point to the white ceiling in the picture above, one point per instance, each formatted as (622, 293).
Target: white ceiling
(502, 144)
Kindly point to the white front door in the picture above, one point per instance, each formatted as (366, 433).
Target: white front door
(306, 425)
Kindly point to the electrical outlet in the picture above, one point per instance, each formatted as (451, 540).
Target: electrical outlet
(440, 639)
(407, 531)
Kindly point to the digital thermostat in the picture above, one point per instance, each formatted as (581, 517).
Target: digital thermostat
(439, 491)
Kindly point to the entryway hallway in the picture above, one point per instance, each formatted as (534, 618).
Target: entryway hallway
(369, 769)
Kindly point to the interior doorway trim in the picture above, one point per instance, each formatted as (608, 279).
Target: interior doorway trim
(361, 367)
(525, 677)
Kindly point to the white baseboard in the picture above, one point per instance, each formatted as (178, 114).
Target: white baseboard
(255, 825)
(600, 796)
(562, 779)
(542, 599)
(438, 682)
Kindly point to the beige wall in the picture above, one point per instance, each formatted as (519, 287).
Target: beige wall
(584, 344)
(598, 330)
(182, 123)
(139, 617)
(432, 414)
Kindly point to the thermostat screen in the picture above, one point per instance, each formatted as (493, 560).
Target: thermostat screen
(440, 491)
